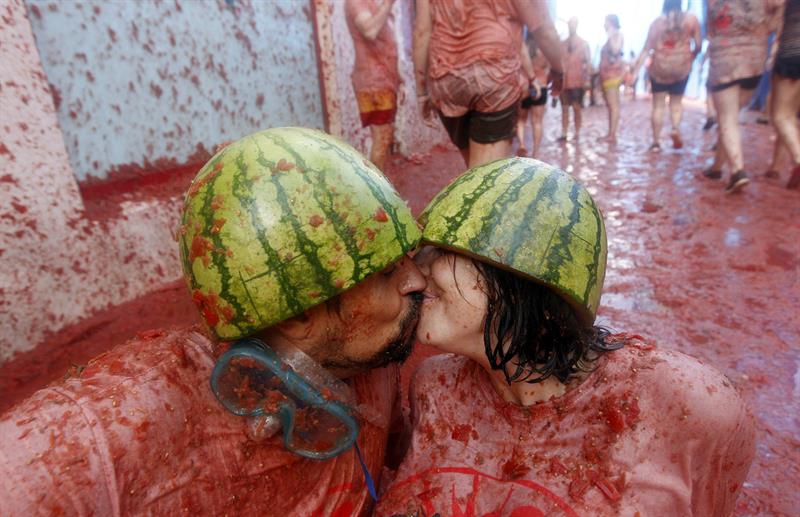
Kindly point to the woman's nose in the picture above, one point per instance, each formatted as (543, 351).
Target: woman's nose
(425, 258)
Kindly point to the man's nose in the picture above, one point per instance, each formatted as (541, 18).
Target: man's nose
(409, 277)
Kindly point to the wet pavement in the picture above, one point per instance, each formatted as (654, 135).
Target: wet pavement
(690, 268)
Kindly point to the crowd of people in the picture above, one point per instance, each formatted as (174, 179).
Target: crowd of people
(472, 78)
(314, 280)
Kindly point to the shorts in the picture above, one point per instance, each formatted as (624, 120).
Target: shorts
(377, 108)
(748, 83)
(788, 68)
(676, 88)
(530, 101)
(484, 128)
(612, 84)
(572, 96)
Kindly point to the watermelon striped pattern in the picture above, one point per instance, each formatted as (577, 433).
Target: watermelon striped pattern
(524, 215)
(283, 220)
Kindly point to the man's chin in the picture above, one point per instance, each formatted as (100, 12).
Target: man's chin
(397, 350)
(400, 348)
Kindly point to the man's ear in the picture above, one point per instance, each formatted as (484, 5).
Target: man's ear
(295, 329)
(306, 329)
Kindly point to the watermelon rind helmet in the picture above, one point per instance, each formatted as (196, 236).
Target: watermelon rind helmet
(527, 217)
(283, 220)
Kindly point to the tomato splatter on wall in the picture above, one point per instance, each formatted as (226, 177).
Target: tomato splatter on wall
(133, 83)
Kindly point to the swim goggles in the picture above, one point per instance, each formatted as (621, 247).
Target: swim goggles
(315, 410)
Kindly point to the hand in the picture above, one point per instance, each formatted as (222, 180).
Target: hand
(556, 82)
(536, 89)
(425, 106)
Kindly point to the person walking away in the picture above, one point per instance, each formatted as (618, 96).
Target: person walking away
(577, 78)
(468, 68)
(532, 107)
(737, 32)
(375, 77)
(786, 88)
(674, 42)
(611, 73)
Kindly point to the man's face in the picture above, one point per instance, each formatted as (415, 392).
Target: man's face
(374, 323)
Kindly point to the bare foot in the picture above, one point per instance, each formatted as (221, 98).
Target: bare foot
(794, 180)
(677, 143)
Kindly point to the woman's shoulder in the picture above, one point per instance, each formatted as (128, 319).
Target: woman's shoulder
(702, 395)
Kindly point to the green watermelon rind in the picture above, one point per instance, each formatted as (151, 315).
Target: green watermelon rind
(340, 221)
(473, 216)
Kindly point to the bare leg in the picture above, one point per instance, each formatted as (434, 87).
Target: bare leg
(728, 103)
(537, 120)
(612, 100)
(675, 113)
(480, 154)
(465, 156)
(785, 102)
(564, 118)
(778, 152)
(521, 121)
(657, 121)
(728, 106)
(381, 144)
(576, 107)
(711, 112)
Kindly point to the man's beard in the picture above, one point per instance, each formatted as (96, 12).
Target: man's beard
(396, 350)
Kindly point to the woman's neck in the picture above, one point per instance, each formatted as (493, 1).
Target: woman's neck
(524, 393)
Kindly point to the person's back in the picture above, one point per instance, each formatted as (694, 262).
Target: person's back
(139, 432)
(468, 31)
(672, 46)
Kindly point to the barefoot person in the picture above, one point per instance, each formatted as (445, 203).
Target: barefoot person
(737, 32)
(375, 76)
(467, 68)
(534, 410)
(577, 78)
(786, 91)
(272, 253)
(674, 41)
(532, 107)
(612, 70)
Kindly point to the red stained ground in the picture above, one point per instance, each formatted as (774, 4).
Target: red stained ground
(711, 275)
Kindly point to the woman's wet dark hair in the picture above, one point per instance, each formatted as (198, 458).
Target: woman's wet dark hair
(531, 333)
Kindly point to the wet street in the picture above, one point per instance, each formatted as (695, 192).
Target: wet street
(690, 269)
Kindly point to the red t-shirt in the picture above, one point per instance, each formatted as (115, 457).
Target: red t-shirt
(139, 432)
(375, 66)
(648, 432)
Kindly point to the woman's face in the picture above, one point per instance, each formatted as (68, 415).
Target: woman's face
(454, 305)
